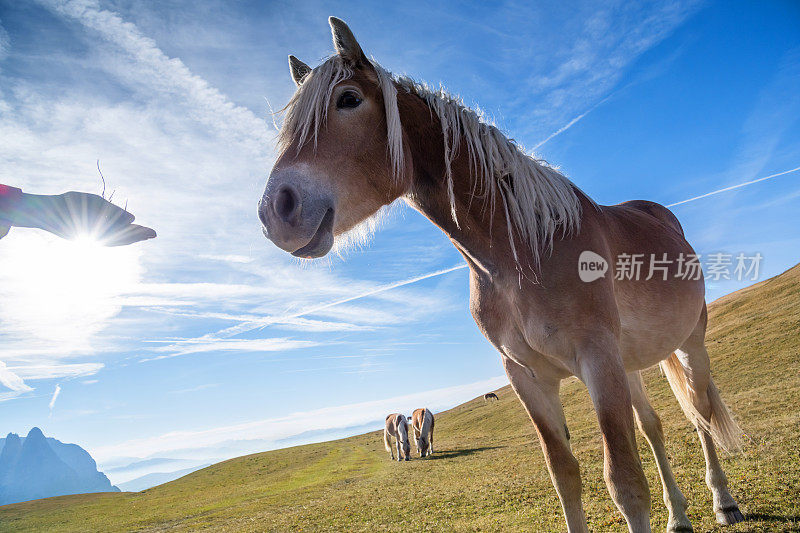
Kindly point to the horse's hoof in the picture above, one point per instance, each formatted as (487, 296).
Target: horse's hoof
(680, 528)
(729, 516)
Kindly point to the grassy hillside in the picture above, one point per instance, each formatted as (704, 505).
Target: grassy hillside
(489, 473)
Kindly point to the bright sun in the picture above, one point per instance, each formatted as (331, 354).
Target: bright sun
(62, 291)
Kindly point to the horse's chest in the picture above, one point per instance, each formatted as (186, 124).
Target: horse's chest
(509, 319)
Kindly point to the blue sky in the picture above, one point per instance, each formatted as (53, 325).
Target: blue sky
(209, 341)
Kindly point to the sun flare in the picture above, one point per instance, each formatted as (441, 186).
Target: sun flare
(62, 291)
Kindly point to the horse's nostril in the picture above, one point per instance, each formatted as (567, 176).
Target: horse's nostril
(287, 203)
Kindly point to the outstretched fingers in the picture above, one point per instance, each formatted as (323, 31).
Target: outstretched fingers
(129, 235)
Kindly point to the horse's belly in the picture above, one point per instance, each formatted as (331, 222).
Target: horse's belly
(651, 330)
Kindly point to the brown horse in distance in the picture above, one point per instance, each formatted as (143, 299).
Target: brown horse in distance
(397, 427)
(423, 422)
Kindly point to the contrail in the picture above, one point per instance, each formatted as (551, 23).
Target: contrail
(377, 290)
(732, 187)
(268, 321)
(572, 122)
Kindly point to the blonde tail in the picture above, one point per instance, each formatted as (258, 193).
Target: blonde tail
(722, 427)
(386, 443)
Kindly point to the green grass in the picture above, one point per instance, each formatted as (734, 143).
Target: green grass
(488, 473)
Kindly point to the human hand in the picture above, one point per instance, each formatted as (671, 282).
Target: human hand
(75, 214)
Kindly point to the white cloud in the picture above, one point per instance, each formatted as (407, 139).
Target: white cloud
(195, 389)
(56, 393)
(192, 346)
(57, 370)
(12, 381)
(230, 258)
(585, 51)
(168, 162)
(167, 75)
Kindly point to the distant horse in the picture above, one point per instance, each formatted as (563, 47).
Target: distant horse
(489, 396)
(422, 423)
(356, 138)
(397, 427)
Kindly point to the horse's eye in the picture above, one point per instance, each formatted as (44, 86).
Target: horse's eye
(348, 100)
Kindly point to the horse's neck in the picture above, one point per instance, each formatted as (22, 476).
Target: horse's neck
(480, 232)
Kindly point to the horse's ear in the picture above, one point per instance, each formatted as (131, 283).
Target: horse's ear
(345, 42)
(298, 69)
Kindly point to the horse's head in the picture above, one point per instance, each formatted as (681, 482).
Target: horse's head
(403, 432)
(336, 166)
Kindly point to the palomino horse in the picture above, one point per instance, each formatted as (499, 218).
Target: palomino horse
(422, 423)
(490, 396)
(356, 138)
(397, 427)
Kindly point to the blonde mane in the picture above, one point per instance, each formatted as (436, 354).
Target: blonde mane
(538, 201)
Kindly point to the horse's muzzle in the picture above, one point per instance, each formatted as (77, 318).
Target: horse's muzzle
(295, 216)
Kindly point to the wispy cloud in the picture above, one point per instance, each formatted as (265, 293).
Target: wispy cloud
(12, 381)
(221, 341)
(57, 370)
(267, 321)
(230, 258)
(193, 346)
(164, 73)
(195, 389)
(587, 53)
(168, 140)
(56, 393)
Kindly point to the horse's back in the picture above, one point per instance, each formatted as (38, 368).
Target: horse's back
(642, 227)
(392, 421)
(418, 417)
(655, 210)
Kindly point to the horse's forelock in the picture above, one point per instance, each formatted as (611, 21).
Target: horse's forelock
(308, 107)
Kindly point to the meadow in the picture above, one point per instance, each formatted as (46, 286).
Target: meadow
(488, 473)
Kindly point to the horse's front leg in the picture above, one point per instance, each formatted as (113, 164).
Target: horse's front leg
(541, 401)
(603, 372)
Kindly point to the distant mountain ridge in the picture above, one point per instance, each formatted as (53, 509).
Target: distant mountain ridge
(36, 467)
(157, 478)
